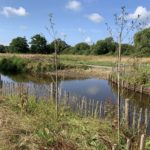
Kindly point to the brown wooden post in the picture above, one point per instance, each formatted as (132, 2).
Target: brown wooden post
(82, 106)
(96, 109)
(139, 120)
(142, 142)
(141, 89)
(100, 109)
(51, 91)
(127, 111)
(114, 147)
(85, 111)
(146, 119)
(92, 108)
(133, 121)
(128, 144)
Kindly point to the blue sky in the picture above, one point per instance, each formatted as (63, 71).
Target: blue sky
(80, 20)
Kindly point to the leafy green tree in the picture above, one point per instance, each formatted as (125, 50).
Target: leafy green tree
(2, 49)
(69, 50)
(7, 49)
(104, 46)
(81, 48)
(127, 49)
(50, 49)
(59, 44)
(19, 45)
(142, 42)
(38, 44)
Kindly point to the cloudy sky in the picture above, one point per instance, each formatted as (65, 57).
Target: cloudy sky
(79, 20)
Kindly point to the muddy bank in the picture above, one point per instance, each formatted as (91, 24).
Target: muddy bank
(82, 73)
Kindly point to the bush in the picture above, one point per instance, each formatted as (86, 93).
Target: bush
(12, 65)
(2, 49)
(104, 47)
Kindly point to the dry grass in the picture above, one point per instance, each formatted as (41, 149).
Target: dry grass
(100, 58)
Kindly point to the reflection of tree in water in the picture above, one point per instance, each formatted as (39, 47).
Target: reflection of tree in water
(37, 78)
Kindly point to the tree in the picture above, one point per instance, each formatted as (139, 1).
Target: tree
(7, 49)
(104, 46)
(2, 49)
(127, 49)
(81, 48)
(61, 46)
(142, 42)
(124, 25)
(19, 45)
(38, 44)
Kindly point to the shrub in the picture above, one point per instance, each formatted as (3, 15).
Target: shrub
(12, 65)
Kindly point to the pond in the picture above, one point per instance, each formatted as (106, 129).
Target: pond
(90, 88)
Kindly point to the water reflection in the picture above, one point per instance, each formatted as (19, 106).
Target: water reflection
(92, 89)
(97, 89)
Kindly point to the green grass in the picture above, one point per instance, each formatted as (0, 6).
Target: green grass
(36, 127)
(137, 76)
(81, 60)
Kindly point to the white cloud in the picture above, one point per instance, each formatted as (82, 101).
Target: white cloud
(88, 40)
(74, 5)
(95, 17)
(10, 11)
(142, 11)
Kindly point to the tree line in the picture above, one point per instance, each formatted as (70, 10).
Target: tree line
(39, 45)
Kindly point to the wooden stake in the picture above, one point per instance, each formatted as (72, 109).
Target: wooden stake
(139, 121)
(127, 111)
(128, 144)
(142, 142)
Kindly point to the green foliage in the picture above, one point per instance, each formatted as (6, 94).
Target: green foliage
(104, 46)
(147, 147)
(19, 45)
(41, 68)
(2, 49)
(127, 49)
(81, 48)
(12, 65)
(38, 44)
(59, 45)
(142, 42)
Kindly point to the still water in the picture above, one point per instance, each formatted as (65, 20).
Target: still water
(91, 88)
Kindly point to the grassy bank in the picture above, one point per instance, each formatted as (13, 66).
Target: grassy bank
(137, 74)
(34, 126)
(76, 65)
(101, 60)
